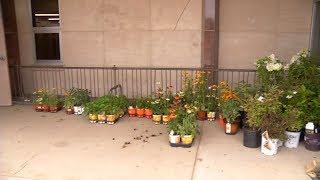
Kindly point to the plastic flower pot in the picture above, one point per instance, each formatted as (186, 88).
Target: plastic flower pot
(101, 118)
(111, 119)
(165, 119)
(156, 119)
(132, 111)
(222, 122)
(211, 116)
(202, 115)
(187, 139)
(93, 117)
(140, 112)
(232, 128)
(251, 138)
(78, 110)
(174, 139)
(148, 113)
(312, 142)
(293, 139)
(69, 111)
(268, 146)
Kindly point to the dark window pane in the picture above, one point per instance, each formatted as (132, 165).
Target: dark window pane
(45, 13)
(47, 46)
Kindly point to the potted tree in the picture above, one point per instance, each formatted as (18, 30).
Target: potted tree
(231, 113)
(295, 124)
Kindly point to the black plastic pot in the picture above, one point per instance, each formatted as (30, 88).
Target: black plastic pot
(312, 142)
(251, 138)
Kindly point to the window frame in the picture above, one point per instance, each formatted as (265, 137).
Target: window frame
(53, 29)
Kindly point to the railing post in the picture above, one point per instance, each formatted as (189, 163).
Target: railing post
(114, 70)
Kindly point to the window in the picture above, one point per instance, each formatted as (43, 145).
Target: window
(46, 28)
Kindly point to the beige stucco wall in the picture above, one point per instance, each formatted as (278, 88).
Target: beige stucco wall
(122, 33)
(250, 29)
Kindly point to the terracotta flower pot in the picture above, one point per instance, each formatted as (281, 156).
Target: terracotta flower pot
(156, 119)
(202, 115)
(165, 119)
(140, 112)
(46, 108)
(53, 109)
(232, 128)
(222, 122)
(187, 139)
(132, 111)
(148, 113)
(38, 107)
(69, 111)
(111, 119)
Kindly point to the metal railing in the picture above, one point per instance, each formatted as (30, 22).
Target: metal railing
(133, 81)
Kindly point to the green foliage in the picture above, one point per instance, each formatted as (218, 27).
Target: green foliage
(184, 124)
(244, 91)
(76, 97)
(231, 110)
(275, 124)
(157, 106)
(40, 96)
(141, 103)
(292, 117)
(92, 108)
(258, 106)
(53, 99)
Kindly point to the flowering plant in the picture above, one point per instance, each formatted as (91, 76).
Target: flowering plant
(200, 90)
(270, 71)
(40, 96)
(212, 99)
(187, 88)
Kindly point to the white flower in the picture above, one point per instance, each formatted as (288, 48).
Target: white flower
(294, 59)
(171, 132)
(269, 67)
(189, 111)
(261, 99)
(294, 92)
(289, 97)
(277, 66)
(272, 57)
(168, 99)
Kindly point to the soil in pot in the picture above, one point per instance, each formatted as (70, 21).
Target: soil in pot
(251, 137)
(312, 142)
(202, 115)
(293, 139)
(232, 128)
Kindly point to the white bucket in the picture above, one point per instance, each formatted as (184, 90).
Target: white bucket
(268, 146)
(293, 139)
(174, 139)
(78, 110)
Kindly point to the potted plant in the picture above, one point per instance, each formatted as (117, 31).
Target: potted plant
(188, 128)
(295, 124)
(68, 103)
(113, 114)
(132, 109)
(273, 127)
(173, 129)
(141, 104)
(231, 112)
(148, 108)
(40, 98)
(200, 92)
(157, 109)
(81, 97)
(92, 109)
(53, 102)
(212, 103)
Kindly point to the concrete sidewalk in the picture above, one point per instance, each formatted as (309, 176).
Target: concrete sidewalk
(57, 146)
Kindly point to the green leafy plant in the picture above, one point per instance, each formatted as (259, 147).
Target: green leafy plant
(141, 103)
(200, 90)
(258, 106)
(53, 99)
(275, 125)
(231, 110)
(188, 125)
(211, 101)
(92, 108)
(157, 107)
(40, 96)
(293, 118)
(68, 102)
